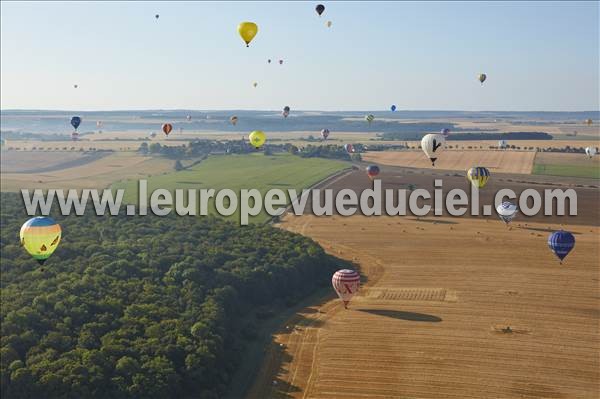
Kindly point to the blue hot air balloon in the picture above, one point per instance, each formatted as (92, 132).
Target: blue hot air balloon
(393, 107)
(75, 122)
(561, 243)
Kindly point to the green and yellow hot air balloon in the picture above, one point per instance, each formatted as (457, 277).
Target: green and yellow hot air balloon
(478, 176)
(40, 237)
(257, 139)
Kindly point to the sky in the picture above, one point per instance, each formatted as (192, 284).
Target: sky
(538, 56)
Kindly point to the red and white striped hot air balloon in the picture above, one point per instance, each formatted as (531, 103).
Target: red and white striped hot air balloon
(346, 283)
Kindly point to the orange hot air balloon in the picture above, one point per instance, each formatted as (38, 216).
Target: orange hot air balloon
(167, 127)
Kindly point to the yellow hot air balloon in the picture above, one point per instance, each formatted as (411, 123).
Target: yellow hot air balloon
(247, 31)
(257, 138)
(478, 176)
(40, 237)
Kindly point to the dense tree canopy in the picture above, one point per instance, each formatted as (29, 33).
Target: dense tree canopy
(143, 307)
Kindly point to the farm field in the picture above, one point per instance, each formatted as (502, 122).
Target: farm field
(496, 161)
(235, 172)
(555, 164)
(437, 318)
(68, 170)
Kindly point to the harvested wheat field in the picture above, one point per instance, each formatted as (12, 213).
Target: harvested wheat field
(96, 170)
(496, 161)
(451, 308)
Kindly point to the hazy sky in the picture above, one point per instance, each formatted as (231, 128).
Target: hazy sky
(538, 56)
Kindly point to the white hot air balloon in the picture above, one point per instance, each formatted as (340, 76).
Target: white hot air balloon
(502, 144)
(432, 144)
(346, 283)
(590, 151)
(507, 211)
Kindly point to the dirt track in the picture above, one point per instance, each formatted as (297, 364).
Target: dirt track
(429, 322)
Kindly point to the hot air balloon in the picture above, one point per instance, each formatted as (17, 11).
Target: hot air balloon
(370, 118)
(152, 135)
(247, 31)
(478, 176)
(255, 84)
(286, 111)
(233, 120)
(280, 62)
(349, 148)
(561, 243)
(589, 122)
(74, 136)
(393, 107)
(325, 133)
(482, 77)
(166, 128)
(507, 211)
(372, 171)
(75, 86)
(269, 61)
(590, 151)
(75, 122)
(432, 144)
(257, 139)
(319, 9)
(329, 23)
(346, 283)
(99, 124)
(157, 16)
(189, 118)
(502, 144)
(445, 132)
(40, 237)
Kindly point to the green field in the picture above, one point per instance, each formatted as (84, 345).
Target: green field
(238, 172)
(591, 171)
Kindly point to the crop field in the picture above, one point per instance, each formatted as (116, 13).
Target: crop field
(66, 170)
(450, 307)
(496, 161)
(236, 172)
(577, 165)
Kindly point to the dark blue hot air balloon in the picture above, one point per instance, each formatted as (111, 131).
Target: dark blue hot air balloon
(75, 122)
(393, 107)
(561, 243)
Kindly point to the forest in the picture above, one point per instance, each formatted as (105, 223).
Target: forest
(146, 306)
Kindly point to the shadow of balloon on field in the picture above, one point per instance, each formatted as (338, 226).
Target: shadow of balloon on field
(544, 229)
(434, 221)
(398, 314)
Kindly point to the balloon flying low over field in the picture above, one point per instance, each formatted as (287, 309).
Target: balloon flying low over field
(372, 171)
(325, 134)
(482, 77)
(166, 128)
(507, 211)
(75, 122)
(590, 151)
(257, 138)
(346, 284)
(478, 176)
(432, 144)
(561, 243)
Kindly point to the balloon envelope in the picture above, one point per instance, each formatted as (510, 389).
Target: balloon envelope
(590, 151)
(247, 31)
(257, 139)
(432, 144)
(393, 108)
(370, 118)
(372, 171)
(482, 77)
(445, 132)
(561, 243)
(325, 133)
(346, 284)
(75, 122)
(502, 144)
(329, 23)
(40, 237)
(478, 176)
(166, 128)
(349, 148)
(319, 9)
(507, 211)
(233, 120)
